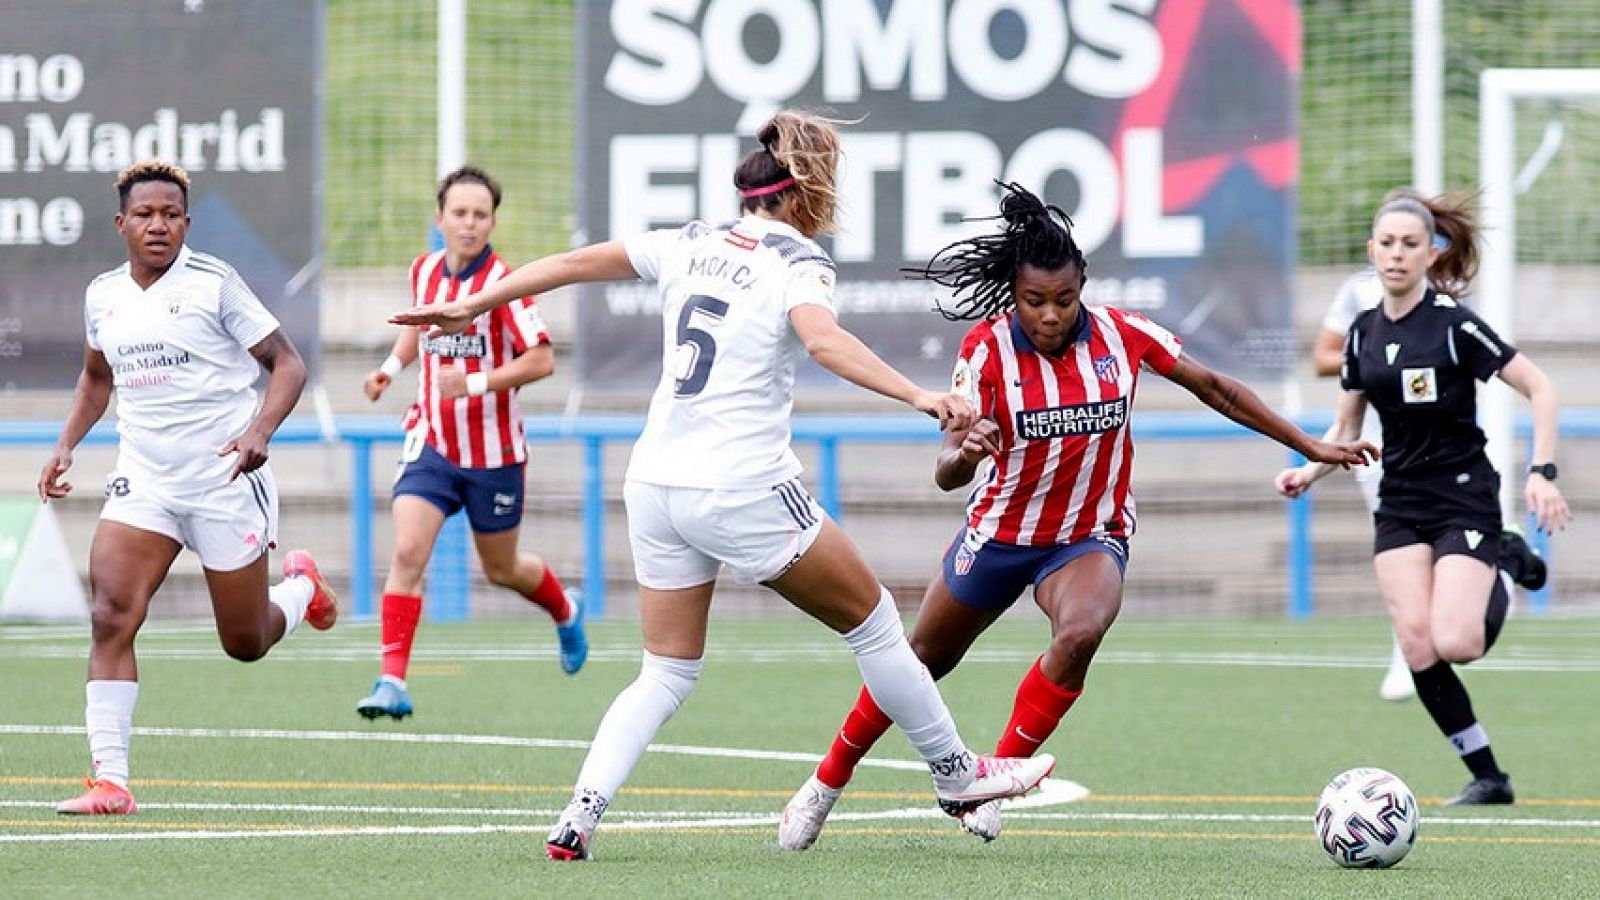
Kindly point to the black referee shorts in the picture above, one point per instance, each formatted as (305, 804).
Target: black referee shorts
(1476, 537)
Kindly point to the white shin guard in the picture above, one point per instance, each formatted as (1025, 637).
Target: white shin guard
(108, 717)
(632, 722)
(900, 683)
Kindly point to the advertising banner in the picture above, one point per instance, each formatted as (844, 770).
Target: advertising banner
(1165, 129)
(225, 89)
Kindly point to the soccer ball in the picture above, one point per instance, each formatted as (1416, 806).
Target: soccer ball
(1366, 819)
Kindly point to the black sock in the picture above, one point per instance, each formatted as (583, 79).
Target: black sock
(1445, 698)
(1494, 617)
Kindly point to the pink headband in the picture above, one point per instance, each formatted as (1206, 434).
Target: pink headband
(773, 188)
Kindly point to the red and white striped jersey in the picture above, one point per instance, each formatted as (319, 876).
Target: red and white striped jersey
(1066, 454)
(473, 432)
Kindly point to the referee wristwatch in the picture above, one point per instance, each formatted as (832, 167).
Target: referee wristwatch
(1545, 470)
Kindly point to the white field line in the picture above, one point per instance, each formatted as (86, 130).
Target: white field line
(697, 824)
(629, 653)
(1562, 622)
(619, 818)
(1052, 792)
(1062, 786)
(484, 811)
(375, 831)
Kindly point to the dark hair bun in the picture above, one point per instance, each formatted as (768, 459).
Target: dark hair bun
(1019, 206)
(768, 135)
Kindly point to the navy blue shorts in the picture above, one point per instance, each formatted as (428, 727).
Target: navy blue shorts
(988, 574)
(492, 497)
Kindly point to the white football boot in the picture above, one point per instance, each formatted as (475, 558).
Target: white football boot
(805, 813)
(983, 822)
(986, 778)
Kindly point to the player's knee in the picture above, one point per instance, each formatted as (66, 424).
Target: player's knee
(1078, 640)
(500, 573)
(112, 616)
(245, 647)
(410, 559)
(939, 661)
(1412, 630)
(1459, 645)
(677, 676)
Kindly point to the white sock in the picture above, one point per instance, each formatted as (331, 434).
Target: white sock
(630, 725)
(1397, 660)
(108, 718)
(1470, 739)
(292, 595)
(902, 687)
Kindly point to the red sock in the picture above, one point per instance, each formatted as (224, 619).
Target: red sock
(1038, 710)
(550, 597)
(401, 612)
(862, 728)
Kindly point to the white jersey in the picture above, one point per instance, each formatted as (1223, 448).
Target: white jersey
(719, 418)
(179, 355)
(1359, 293)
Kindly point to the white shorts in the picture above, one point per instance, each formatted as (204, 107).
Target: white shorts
(682, 536)
(228, 527)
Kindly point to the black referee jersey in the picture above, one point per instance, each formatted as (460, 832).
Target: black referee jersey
(1420, 373)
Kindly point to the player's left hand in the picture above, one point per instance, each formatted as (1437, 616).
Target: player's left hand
(51, 487)
(982, 441)
(1547, 504)
(952, 410)
(252, 450)
(452, 382)
(446, 318)
(1343, 454)
(1293, 482)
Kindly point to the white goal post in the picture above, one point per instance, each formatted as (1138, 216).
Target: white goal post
(1498, 91)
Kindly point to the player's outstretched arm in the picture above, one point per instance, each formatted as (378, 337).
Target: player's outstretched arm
(1233, 399)
(89, 401)
(843, 354)
(606, 261)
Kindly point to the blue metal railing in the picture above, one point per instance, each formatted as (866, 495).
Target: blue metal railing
(362, 433)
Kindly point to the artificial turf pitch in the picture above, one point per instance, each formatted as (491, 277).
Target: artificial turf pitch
(1203, 745)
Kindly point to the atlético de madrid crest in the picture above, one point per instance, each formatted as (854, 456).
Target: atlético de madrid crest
(964, 559)
(1107, 368)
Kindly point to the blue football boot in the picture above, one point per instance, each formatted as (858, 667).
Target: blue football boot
(574, 643)
(387, 699)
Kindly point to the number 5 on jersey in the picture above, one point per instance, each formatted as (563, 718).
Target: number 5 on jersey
(697, 347)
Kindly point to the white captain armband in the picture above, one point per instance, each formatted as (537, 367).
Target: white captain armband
(392, 366)
(477, 384)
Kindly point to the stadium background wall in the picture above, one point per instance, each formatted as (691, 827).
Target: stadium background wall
(1213, 538)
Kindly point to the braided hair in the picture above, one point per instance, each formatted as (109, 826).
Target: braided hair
(982, 269)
